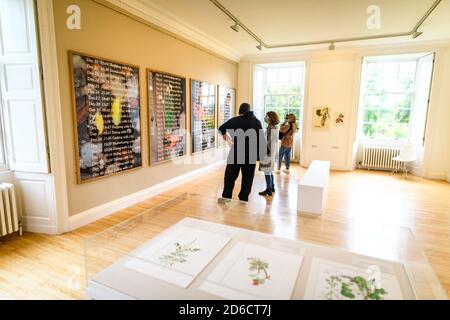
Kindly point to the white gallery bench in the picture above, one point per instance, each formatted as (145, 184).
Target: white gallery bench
(312, 187)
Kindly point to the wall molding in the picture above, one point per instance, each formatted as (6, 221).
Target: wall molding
(86, 217)
(153, 14)
(52, 105)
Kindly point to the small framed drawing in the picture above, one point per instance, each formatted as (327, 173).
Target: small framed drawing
(321, 118)
(339, 119)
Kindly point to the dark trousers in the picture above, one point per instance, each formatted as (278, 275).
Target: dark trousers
(232, 173)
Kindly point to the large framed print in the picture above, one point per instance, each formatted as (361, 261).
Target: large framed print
(203, 116)
(167, 116)
(225, 109)
(106, 110)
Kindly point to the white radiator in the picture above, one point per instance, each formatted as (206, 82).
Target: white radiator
(380, 158)
(9, 216)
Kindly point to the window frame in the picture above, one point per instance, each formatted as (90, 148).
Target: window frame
(262, 109)
(362, 99)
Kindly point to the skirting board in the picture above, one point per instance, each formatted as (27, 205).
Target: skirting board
(83, 218)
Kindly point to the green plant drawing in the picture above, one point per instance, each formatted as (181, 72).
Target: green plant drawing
(260, 269)
(179, 255)
(358, 287)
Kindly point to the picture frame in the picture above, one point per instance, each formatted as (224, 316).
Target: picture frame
(88, 96)
(203, 116)
(152, 122)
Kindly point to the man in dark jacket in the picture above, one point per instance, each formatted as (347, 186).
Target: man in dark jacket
(245, 136)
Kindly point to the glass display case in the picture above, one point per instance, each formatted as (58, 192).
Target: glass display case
(189, 247)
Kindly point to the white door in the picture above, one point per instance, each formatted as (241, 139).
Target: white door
(20, 82)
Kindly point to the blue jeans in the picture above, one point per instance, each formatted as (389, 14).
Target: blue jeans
(286, 154)
(269, 181)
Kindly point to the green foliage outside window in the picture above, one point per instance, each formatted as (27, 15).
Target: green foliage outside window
(388, 99)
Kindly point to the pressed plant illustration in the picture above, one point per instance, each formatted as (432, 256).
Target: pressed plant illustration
(260, 271)
(341, 287)
(179, 255)
(340, 118)
(323, 114)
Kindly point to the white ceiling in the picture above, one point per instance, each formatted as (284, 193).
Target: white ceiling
(293, 21)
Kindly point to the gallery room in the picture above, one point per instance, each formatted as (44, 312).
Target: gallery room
(224, 150)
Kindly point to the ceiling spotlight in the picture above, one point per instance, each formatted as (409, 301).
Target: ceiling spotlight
(259, 46)
(332, 46)
(416, 34)
(235, 27)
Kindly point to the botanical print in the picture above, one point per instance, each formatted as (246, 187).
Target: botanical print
(251, 271)
(180, 255)
(354, 288)
(321, 118)
(339, 119)
(330, 280)
(260, 269)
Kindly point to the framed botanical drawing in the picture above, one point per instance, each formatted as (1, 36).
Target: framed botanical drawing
(339, 119)
(167, 116)
(225, 110)
(321, 118)
(251, 271)
(330, 280)
(203, 116)
(106, 112)
(179, 256)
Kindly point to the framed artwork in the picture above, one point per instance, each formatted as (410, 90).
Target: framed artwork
(225, 110)
(106, 112)
(330, 280)
(254, 272)
(339, 119)
(167, 116)
(203, 116)
(179, 256)
(321, 118)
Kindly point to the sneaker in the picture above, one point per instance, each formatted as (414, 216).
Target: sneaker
(277, 171)
(223, 200)
(243, 202)
(286, 171)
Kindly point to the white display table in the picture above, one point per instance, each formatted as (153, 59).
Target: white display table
(312, 188)
(163, 254)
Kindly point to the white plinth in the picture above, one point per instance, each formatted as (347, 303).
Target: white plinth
(312, 187)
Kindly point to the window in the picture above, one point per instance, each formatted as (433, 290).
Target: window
(279, 88)
(392, 97)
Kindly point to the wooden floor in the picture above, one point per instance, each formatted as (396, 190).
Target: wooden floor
(52, 267)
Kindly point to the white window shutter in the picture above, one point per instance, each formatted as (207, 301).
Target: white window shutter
(21, 93)
(421, 99)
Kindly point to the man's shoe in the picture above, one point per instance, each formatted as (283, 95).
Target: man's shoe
(266, 193)
(223, 200)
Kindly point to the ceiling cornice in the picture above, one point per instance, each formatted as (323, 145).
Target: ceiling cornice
(163, 20)
(414, 33)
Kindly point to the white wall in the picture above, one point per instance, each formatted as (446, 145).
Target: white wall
(331, 83)
(333, 79)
